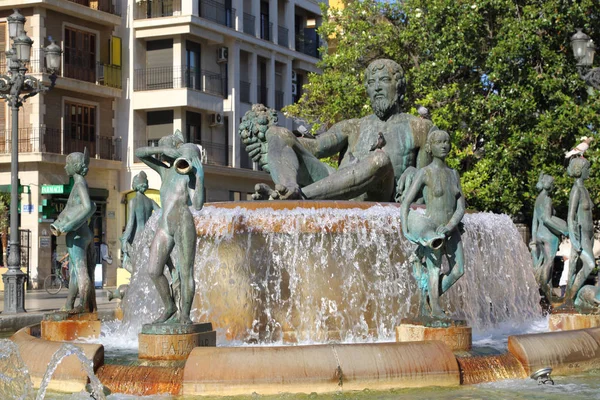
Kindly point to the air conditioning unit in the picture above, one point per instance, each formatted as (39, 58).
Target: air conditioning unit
(294, 89)
(216, 119)
(222, 53)
(294, 76)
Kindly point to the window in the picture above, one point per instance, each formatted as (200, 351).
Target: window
(80, 55)
(80, 127)
(193, 127)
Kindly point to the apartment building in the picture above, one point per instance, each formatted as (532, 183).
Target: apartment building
(132, 72)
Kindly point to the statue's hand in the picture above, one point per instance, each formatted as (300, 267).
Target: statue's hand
(171, 153)
(442, 230)
(254, 151)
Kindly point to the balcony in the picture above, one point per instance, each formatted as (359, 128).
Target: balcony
(245, 92)
(159, 78)
(58, 141)
(249, 27)
(307, 46)
(266, 29)
(109, 75)
(282, 36)
(108, 6)
(156, 9)
(278, 100)
(261, 94)
(216, 153)
(217, 12)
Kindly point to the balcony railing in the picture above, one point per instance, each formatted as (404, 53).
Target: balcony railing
(245, 92)
(217, 12)
(108, 6)
(261, 94)
(308, 47)
(216, 153)
(266, 29)
(278, 100)
(159, 78)
(282, 36)
(58, 141)
(249, 24)
(109, 75)
(156, 9)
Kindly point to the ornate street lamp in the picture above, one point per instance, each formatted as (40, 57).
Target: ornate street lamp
(15, 88)
(584, 50)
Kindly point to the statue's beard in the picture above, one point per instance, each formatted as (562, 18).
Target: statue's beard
(382, 107)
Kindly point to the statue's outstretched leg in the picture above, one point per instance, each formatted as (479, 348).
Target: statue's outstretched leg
(456, 260)
(185, 240)
(579, 279)
(160, 249)
(544, 272)
(371, 178)
(433, 260)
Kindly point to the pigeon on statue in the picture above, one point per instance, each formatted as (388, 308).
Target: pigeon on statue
(580, 148)
(380, 142)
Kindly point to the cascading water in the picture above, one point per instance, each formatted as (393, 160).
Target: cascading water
(319, 274)
(96, 388)
(15, 382)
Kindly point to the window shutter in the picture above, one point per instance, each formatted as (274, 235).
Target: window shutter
(115, 51)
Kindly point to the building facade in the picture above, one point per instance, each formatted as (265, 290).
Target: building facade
(133, 72)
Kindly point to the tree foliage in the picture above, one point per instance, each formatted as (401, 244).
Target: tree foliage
(499, 75)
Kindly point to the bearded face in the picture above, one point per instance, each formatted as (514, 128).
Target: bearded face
(381, 88)
(382, 107)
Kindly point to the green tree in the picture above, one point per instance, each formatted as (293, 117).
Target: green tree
(499, 75)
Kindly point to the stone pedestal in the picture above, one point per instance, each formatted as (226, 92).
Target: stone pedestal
(572, 321)
(62, 326)
(174, 341)
(457, 336)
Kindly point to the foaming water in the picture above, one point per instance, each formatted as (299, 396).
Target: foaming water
(313, 275)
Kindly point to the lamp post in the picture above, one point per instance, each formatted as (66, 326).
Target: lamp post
(584, 50)
(15, 88)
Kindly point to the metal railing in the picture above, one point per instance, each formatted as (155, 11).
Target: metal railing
(158, 78)
(245, 92)
(58, 141)
(261, 94)
(156, 9)
(216, 153)
(308, 47)
(217, 12)
(249, 24)
(108, 6)
(266, 30)
(278, 100)
(109, 75)
(282, 36)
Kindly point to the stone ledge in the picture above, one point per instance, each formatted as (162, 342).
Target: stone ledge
(458, 338)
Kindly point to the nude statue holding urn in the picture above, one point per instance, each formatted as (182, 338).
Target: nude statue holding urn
(73, 221)
(436, 229)
(180, 169)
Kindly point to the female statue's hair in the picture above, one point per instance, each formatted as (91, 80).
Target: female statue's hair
(432, 135)
(544, 182)
(576, 166)
(81, 161)
(140, 182)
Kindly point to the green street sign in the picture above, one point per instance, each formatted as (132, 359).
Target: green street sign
(53, 189)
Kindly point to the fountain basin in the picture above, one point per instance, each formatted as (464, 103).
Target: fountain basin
(322, 368)
(36, 353)
(566, 352)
